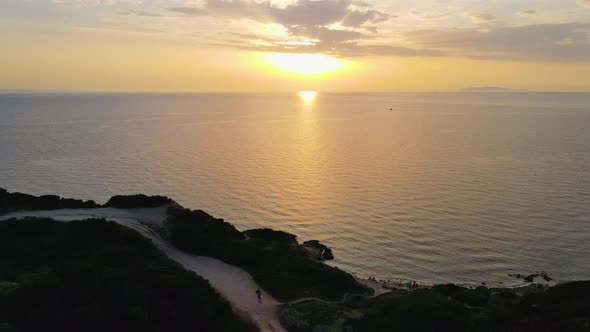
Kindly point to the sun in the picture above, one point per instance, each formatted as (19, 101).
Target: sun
(304, 64)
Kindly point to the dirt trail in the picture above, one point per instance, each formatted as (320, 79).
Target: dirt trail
(235, 284)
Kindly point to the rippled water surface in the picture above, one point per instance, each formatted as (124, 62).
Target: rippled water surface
(430, 187)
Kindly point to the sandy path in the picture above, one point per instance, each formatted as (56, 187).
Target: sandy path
(235, 284)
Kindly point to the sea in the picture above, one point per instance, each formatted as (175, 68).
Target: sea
(432, 187)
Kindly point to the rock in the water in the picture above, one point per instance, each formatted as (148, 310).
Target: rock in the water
(328, 254)
(531, 277)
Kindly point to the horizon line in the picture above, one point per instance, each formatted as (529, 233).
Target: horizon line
(129, 92)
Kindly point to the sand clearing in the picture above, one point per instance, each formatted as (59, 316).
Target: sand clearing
(235, 284)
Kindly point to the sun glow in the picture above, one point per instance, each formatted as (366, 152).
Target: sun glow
(305, 64)
(307, 96)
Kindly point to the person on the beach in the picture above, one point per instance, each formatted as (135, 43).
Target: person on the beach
(259, 295)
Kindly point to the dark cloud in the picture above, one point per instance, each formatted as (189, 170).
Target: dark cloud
(304, 18)
(310, 25)
(325, 35)
(357, 18)
(361, 4)
(567, 42)
(527, 12)
(354, 49)
(482, 17)
(348, 49)
(441, 15)
(310, 22)
(253, 37)
(189, 11)
(303, 12)
(433, 15)
(141, 13)
(372, 30)
(311, 13)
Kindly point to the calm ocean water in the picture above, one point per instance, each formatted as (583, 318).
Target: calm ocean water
(432, 187)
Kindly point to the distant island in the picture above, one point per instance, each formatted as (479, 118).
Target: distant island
(93, 274)
(491, 89)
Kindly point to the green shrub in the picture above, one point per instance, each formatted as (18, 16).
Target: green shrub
(474, 297)
(271, 235)
(18, 201)
(95, 275)
(283, 271)
(137, 201)
(416, 311)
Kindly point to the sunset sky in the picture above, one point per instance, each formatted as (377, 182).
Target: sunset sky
(283, 45)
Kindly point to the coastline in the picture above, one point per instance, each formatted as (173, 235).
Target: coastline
(296, 283)
(378, 283)
(139, 201)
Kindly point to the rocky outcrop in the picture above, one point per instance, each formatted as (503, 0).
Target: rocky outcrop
(317, 250)
(531, 277)
(312, 248)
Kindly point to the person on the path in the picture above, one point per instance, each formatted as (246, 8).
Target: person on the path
(259, 295)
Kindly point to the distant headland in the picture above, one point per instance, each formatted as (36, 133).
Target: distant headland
(491, 89)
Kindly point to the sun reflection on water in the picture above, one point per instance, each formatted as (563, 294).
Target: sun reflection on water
(307, 97)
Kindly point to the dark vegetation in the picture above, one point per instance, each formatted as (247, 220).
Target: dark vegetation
(270, 235)
(565, 307)
(137, 201)
(95, 275)
(273, 258)
(99, 276)
(18, 201)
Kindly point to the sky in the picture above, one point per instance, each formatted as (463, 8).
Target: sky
(293, 45)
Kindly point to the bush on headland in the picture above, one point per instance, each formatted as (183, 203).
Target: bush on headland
(137, 201)
(273, 258)
(474, 297)
(18, 201)
(271, 235)
(95, 275)
(99, 276)
(564, 307)
(206, 236)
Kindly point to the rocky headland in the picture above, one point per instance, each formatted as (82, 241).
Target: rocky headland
(43, 259)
